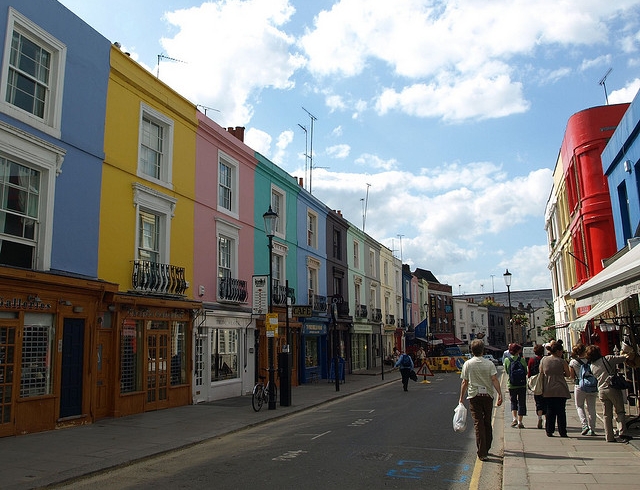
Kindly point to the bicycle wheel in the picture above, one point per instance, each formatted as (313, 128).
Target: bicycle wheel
(257, 399)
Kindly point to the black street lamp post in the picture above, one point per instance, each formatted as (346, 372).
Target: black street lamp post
(270, 225)
(507, 281)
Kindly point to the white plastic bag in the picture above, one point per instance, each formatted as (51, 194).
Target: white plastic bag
(460, 418)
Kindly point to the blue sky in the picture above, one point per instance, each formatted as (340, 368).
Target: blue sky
(442, 119)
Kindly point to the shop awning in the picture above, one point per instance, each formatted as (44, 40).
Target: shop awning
(448, 339)
(492, 348)
(421, 329)
(618, 280)
(579, 324)
(429, 342)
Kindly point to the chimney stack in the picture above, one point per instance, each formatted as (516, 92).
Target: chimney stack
(238, 132)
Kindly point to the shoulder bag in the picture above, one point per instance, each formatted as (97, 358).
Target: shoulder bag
(616, 380)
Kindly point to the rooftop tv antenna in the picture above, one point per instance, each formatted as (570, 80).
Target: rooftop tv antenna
(313, 119)
(207, 108)
(604, 86)
(364, 208)
(164, 57)
(306, 152)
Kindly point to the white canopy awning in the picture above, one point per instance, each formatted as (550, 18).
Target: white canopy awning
(580, 324)
(619, 280)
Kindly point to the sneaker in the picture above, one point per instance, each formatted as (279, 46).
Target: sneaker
(514, 423)
(520, 425)
(539, 423)
(625, 437)
(591, 432)
(585, 429)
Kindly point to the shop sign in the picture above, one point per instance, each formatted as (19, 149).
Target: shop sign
(20, 304)
(301, 310)
(314, 329)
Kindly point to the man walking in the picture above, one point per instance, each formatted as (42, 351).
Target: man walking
(479, 379)
(405, 363)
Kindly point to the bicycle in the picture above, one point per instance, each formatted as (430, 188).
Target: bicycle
(260, 394)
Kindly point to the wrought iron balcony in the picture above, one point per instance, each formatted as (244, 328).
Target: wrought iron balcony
(153, 277)
(281, 293)
(232, 290)
(318, 303)
(401, 323)
(390, 320)
(343, 309)
(376, 315)
(361, 311)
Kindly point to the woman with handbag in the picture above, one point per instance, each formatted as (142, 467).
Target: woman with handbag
(534, 370)
(612, 398)
(555, 370)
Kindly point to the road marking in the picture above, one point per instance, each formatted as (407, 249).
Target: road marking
(320, 435)
(363, 410)
(289, 455)
(416, 469)
(360, 422)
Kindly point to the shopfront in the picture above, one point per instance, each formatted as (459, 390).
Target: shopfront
(360, 338)
(224, 355)
(149, 340)
(314, 342)
(48, 326)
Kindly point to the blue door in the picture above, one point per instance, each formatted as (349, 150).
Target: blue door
(72, 360)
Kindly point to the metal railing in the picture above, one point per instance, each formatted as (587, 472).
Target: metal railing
(232, 290)
(281, 293)
(153, 277)
(390, 320)
(361, 311)
(376, 315)
(318, 303)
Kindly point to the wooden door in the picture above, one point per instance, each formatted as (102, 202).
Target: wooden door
(157, 374)
(104, 396)
(72, 367)
(8, 387)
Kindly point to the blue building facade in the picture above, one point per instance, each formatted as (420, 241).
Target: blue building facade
(621, 166)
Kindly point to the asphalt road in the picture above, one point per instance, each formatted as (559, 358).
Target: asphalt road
(381, 438)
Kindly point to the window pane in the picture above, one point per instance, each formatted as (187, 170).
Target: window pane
(29, 71)
(131, 350)
(224, 179)
(37, 344)
(178, 354)
(152, 148)
(224, 354)
(148, 247)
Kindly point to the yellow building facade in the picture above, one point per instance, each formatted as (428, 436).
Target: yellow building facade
(146, 242)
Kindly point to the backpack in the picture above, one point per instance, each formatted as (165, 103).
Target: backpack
(517, 372)
(587, 381)
(406, 361)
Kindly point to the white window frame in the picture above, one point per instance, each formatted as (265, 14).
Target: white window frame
(166, 167)
(232, 233)
(51, 122)
(163, 206)
(280, 262)
(312, 229)
(26, 149)
(225, 159)
(356, 254)
(279, 206)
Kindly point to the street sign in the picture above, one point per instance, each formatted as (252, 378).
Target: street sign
(301, 310)
(260, 295)
(272, 324)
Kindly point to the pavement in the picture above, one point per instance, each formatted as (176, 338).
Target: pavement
(529, 457)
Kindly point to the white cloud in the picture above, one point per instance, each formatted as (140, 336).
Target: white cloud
(338, 151)
(258, 140)
(374, 161)
(244, 50)
(625, 94)
(335, 103)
